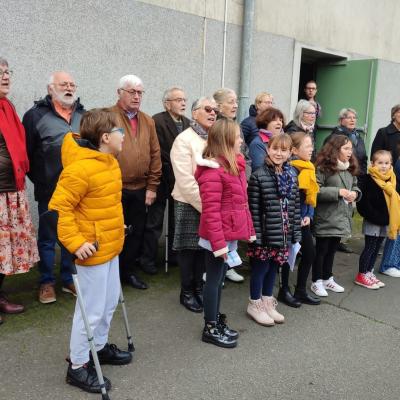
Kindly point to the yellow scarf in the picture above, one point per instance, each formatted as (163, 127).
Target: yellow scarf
(307, 180)
(387, 182)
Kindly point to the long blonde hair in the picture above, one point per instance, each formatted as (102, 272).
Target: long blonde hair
(221, 144)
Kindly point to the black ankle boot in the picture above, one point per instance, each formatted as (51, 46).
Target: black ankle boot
(221, 323)
(304, 297)
(198, 294)
(286, 297)
(212, 334)
(188, 300)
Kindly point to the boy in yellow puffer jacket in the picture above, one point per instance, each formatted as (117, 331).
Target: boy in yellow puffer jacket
(91, 226)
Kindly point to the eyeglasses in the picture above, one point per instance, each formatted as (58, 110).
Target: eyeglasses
(310, 112)
(64, 85)
(178, 100)
(119, 130)
(134, 92)
(7, 71)
(311, 88)
(350, 117)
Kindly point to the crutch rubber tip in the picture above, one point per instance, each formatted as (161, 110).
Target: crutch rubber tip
(131, 347)
(105, 396)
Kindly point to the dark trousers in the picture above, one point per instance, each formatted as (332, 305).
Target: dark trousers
(370, 253)
(325, 248)
(2, 276)
(46, 245)
(135, 212)
(216, 270)
(307, 257)
(153, 230)
(191, 264)
(262, 278)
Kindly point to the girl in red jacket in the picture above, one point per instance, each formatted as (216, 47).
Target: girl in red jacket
(224, 220)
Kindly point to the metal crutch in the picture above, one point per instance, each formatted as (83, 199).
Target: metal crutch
(51, 219)
(166, 234)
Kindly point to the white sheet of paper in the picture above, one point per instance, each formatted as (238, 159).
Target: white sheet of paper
(293, 250)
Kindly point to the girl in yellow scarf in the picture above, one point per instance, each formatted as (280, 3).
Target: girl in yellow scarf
(380, 207)
(302, 151)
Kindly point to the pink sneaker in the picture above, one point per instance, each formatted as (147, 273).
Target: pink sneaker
(375, 279)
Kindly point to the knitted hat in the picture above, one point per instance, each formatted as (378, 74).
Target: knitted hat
(394, 110)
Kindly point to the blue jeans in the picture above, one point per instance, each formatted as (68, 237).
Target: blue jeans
(46, 245)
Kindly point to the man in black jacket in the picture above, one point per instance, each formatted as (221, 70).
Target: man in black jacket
(169, 124)
(46, 124)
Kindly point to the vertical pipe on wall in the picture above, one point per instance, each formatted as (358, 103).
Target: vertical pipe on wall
(245, 64)
(224, 45)
(203, 69)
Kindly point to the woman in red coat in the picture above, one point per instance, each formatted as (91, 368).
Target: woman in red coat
(224, 220)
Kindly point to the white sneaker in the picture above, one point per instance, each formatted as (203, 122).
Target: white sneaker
(393, 272)
(330, 284)
(233, 276)
(318, 288)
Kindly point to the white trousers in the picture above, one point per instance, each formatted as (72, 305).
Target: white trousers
(100, 287)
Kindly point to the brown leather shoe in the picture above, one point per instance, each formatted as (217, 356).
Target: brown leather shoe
(9, 308)
(47, 294)
(69, 289)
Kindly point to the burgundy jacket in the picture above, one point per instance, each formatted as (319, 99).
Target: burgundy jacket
(225, 212)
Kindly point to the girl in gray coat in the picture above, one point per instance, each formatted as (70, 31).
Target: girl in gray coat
(336, 168)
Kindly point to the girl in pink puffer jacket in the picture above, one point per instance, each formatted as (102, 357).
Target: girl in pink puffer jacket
(224, 220)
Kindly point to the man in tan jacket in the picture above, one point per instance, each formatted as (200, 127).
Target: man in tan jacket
(140, 164)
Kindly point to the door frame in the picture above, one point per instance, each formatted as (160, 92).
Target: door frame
(298, 50)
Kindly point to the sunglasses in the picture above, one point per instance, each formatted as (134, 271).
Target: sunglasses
(209, 109)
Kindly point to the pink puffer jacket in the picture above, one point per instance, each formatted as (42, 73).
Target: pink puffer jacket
(225, 212)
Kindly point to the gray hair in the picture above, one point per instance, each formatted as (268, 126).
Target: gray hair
(168, 92)
(129, 79)
(221, 94)
(199, 102)
(3, 61)
(344, 112)
(51, 78)
(302, 106)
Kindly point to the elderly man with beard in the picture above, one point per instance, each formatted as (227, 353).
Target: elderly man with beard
(46, 124)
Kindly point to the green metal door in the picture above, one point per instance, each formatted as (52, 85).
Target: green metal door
(347, 84)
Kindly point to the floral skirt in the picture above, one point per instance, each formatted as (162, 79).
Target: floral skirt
(18, 247)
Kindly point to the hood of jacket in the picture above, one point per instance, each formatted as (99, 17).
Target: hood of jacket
(74, 148)
(204, 164)
(252, 111)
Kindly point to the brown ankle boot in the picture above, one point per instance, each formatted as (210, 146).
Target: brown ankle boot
(7, 307)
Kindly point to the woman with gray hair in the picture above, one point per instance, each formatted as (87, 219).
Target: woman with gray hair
(17, 238)
(303, 119)
(188, 146)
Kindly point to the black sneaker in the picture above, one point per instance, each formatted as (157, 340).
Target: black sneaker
(221, 323)
(344, 248)
(212, 334)
(85, 378)
(111, 354)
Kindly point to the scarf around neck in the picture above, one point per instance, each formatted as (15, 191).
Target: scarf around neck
(343, 166)
(307, 180)
(199, 129)
(14, 135)
(387, 182)
(284, 180)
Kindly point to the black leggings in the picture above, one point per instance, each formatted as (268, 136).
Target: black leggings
(2, 276)
(325, 248)
(370, 253)
(216, 270)
(191, 264)
(262, 278)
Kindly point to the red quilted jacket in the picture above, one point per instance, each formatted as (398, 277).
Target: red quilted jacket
(225, 212)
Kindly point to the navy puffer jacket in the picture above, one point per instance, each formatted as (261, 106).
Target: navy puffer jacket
(265, 208)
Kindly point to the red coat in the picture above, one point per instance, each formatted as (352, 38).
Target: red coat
(225, 212)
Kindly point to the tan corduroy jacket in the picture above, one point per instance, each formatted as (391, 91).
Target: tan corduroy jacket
(140, 159)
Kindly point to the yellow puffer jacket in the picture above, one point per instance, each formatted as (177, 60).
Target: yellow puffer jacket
(88, 201)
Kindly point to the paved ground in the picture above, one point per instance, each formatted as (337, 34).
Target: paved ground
(346, 348)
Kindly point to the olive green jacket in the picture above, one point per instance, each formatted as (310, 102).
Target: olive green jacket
(333, 216)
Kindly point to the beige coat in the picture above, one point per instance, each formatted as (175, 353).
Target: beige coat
(186, 147)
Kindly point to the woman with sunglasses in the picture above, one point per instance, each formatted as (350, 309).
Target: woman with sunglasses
(18, 249)
(187, 147)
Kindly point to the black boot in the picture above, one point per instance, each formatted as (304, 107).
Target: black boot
(188, 300)
(212, 334)
(286, 297)
(221, 323)
(304, 297)
(198, 294)
(111, 354)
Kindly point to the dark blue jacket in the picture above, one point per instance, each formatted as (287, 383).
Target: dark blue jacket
(249, 126)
